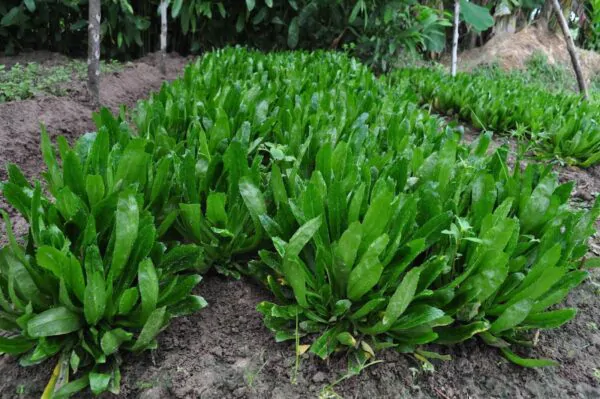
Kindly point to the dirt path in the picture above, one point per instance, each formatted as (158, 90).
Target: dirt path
(225, 351)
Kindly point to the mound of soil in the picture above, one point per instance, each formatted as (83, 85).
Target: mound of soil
(225, 351)
(511, 51)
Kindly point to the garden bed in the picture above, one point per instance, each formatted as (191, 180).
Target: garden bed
(225, 351)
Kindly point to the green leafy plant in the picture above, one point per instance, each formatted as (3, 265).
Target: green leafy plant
(349, 264)
(92, 278)
(373, 226)
(562, 124)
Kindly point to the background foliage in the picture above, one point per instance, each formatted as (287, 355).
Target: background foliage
(376, 29)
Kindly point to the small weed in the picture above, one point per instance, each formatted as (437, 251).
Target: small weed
(597, 374)
(21, 391)
(250, 374)
(143, 385)
(358, 362)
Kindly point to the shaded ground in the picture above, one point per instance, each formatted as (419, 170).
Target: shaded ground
(225, 351)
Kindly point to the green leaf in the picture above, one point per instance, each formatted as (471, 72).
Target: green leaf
(551, 319)
(293, 271)
(537, 288)
(512, 316)
(476, 16)
(74, 277)
(176, 8)
(94, 302)
(402, 297)
(418, 315)
(345, 252)
(161, 184)
(128, 300)
(215, 208)
(56, 321)
(148, 283)
(293, 33)
(187, 306)
(253, 198)
(250, 4)
(180, 290)
(346, 338)
(523, 362)
(377, 217)
(51, 259)
(368, 308)
(15, 346)
(11, 17)
(99, 382)
(132, 167)
(302, 236)
(30, 4)
(368, 271)
(126, 230)
(325, 344)
(151, 329)
(453, 334)
(73, 387)
(113, 339)
(94, 187)
(73, 174)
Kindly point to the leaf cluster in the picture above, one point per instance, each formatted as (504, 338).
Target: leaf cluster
(92, 277)
(384, 230)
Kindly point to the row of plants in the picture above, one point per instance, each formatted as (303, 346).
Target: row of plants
(369, 221)
(561, 124)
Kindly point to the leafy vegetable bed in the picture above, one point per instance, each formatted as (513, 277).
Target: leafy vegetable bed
(370, 223)
(562, 124)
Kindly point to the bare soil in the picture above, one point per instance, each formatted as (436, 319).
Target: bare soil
(225, 351)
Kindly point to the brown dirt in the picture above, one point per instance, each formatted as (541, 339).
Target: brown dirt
(512, 51)
(225, 351)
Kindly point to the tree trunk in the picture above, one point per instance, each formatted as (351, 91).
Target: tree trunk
(546, 14)
(571, 47)
(94, 51)
(163, 36)
(472, 39)
(455, 36)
